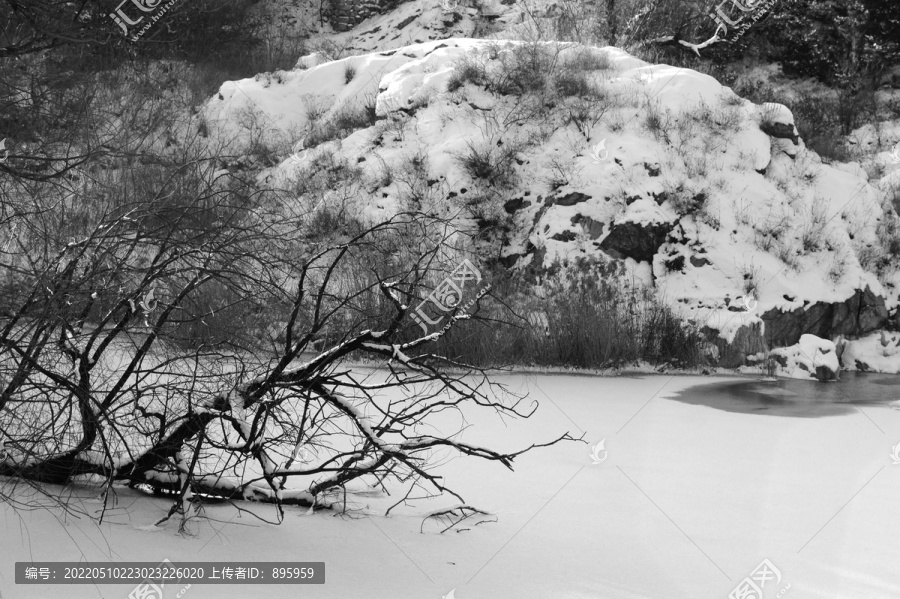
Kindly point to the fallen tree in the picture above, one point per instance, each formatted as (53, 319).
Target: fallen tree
(200, 349)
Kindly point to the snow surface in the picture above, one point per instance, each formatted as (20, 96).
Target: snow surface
(688, 502)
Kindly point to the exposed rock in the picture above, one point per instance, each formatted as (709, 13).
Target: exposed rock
(540, 213)
(570, 199)
(860, 314)
(593, 228)
(407, 21)
(811, 357)
(698, 262)
(451, 19)
(825, 374)
(515, 204)
(510, 260)
(564, 236)
(634, 240)
(675, 264)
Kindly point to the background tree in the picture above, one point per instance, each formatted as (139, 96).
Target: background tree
(842, 42)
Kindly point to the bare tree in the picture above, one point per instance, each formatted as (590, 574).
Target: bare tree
(32, 26)
(168, 342)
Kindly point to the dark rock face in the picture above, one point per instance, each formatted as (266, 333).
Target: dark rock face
(825, 374)
(862, 313)
(564, 236)
(594, 228)
(570, 199)
(748, 341)
(515, 204)
(862, 366)
(346, 14)
(698, 262)
(540, 214)
(675, 264)
(510, 260)
(536, 253)
(858, 315)
(634, 240)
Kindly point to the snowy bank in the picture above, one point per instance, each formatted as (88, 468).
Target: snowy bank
(710, 199)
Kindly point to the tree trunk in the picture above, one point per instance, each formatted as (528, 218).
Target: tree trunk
(612, 21)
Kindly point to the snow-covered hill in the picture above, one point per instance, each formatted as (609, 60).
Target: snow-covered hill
(565, 152)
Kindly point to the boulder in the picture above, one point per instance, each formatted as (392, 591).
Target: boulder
(810, 357)
(635, 240)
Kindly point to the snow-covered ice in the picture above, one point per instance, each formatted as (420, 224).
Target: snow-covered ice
(690, 500)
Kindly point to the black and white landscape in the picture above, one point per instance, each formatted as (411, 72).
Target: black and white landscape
(463, 299)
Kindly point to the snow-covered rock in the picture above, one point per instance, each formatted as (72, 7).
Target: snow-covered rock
(711, 199)
(812, 357)
(879, 352)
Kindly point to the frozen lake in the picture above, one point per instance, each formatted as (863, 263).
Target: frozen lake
(798, 398)
(699, 480)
